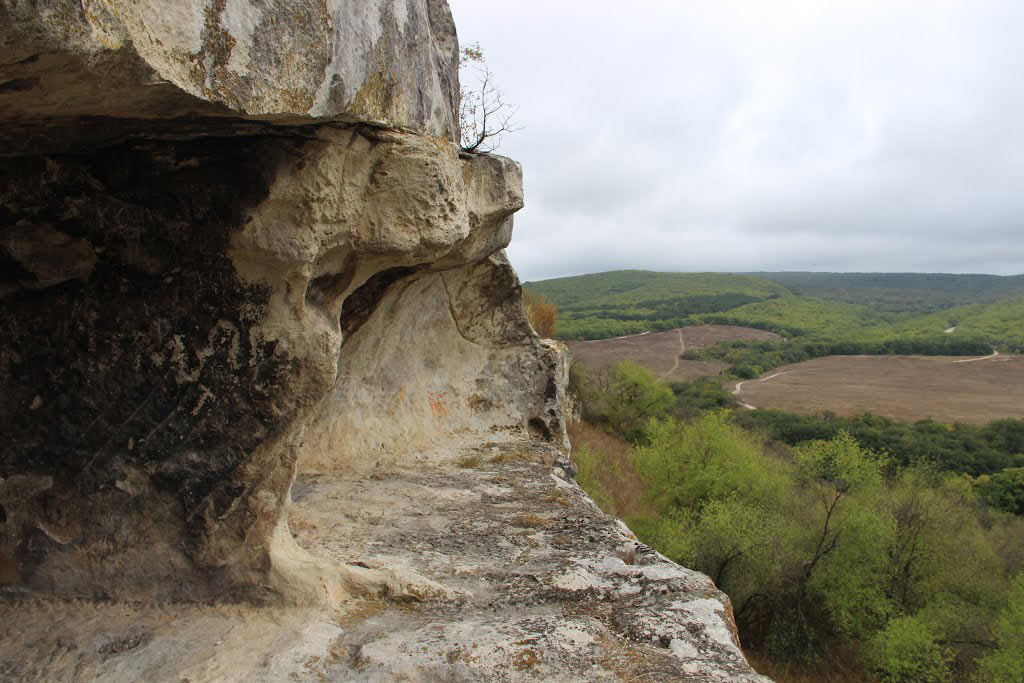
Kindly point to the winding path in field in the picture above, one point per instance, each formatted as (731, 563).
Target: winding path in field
(682, 350)
(739, 385)
(625, 336)
(971, 360)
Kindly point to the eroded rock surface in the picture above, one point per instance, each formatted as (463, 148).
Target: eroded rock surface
(213, 265)
(388, 62)
(540, 585)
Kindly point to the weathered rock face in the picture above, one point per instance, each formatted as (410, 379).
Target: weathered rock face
(238, 242)
(184, 298)
(382, 61)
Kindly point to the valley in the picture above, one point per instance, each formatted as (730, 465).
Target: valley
(831, 448)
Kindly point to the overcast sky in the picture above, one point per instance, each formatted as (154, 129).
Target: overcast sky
(728, 135)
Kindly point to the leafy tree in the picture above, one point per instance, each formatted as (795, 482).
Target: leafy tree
(907, 651)
(738, 544)
(972, 449)
(688, 465)
(1004, 490)
(624, 397)
(847, 533)
(701, 395)
(1006, 664)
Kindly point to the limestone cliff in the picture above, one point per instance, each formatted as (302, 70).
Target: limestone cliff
(239, 243)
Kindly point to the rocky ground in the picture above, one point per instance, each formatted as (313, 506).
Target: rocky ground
(503, 569)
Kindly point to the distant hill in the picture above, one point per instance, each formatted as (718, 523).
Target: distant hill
(918, 292)
(622, 302)
(825, 306)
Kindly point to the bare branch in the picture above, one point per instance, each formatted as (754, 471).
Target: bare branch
(484, 116)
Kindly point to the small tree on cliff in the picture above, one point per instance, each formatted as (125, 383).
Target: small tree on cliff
(484, 116)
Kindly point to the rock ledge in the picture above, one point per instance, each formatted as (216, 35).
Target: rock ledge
(503, 569)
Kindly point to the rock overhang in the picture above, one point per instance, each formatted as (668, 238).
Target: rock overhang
(240, 242)
(193, 191)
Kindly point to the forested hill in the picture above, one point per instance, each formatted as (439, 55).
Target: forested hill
(919, 292)
(621, 288)
(824, 306)
(621, 302)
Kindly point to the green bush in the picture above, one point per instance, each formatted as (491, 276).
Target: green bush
(624, 397)
(1006, 663)
(907, 651)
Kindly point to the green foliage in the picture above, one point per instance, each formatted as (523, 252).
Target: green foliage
(623, 397)
(998, 320)
(701, 395)
(1004, 490)
(839, 463)
(670, 534)
(630, 287)
(631, 301)
(794, 316)
(752, 358)
(832, 542)
(818, 313)
(863, 534)
(900, 291)
(907, 651)
(1006, 663)
(847, 528)
(972, 449)
(736, 542)
(688, 465)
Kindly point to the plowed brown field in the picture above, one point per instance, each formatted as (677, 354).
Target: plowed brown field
(911, 388)
(659, 351)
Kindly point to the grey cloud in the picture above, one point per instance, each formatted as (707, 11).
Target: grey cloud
(849, 135)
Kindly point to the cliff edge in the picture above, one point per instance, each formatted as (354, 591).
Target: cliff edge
(270, 402)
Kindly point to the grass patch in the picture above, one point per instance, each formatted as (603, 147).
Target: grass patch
(532, 521)
(513, 456)
(470, 461)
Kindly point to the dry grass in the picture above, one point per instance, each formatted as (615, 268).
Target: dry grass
(543, 314)
(902, 387)
(627, 555)
(558, 499)
(782, 673)
(469, 461)
(619, 488)
(532, 521)
(513, 456)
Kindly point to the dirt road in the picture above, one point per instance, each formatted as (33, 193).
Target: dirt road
(739, 385)
(659, 351)
(675, 361)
